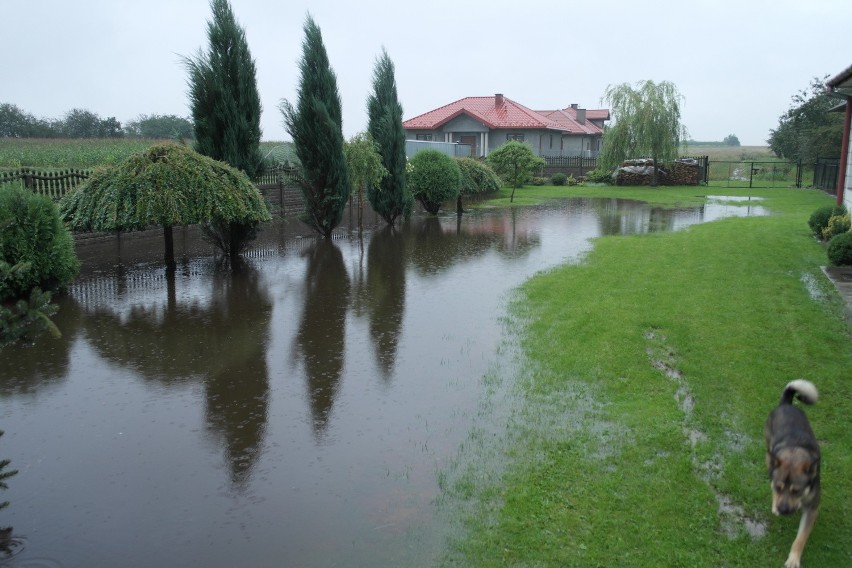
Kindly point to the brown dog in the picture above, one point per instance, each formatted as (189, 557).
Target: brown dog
(792, 456)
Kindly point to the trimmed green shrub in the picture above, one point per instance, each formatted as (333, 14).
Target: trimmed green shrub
(433, 178)
(535, 180)
(32, 234)
(840, 249)
(599, 176)
(836, 224)
(819, 218)
(477, 177)
(558, 178)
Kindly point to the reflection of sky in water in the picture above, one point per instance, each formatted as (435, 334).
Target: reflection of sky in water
(296, 415)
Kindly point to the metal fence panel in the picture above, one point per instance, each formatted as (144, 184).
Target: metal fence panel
(754, 174)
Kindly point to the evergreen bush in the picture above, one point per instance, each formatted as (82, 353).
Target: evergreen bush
(433, 178)
(32, 235)
(840, 249)
(819, 218)
(836, 224)
(599, 176)
(558, 178)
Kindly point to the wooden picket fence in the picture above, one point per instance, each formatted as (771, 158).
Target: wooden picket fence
(279, 185)
(53, 184)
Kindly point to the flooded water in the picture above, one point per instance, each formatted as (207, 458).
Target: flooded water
(298, 412)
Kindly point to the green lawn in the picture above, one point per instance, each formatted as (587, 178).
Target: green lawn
(648, 370)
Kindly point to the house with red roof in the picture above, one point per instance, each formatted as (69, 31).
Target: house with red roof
(486, 123)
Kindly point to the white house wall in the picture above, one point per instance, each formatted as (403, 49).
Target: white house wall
(847, 186)
(543, 143)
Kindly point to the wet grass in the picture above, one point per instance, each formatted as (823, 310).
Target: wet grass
(648, 371)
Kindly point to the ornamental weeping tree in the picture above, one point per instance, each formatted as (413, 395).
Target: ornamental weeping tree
(388, 198)
(646, 124)
(365, 166)
(316, 125)
(167, 185)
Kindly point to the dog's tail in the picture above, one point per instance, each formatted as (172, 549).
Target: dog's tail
(805, 389)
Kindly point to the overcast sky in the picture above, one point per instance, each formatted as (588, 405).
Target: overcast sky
(736, 63)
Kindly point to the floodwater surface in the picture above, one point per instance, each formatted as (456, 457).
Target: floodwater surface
(299, 411)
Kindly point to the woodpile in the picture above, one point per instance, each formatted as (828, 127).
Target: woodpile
(641, 172)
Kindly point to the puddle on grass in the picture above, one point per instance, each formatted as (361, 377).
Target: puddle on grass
(813, 288)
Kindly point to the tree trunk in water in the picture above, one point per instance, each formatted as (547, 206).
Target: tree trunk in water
(459, 209)
(168, 237)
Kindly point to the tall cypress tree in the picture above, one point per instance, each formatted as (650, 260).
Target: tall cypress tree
(223, 94)
(316, 125)
(389, 198)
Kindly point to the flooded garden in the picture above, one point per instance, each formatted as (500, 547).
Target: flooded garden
(301, 410)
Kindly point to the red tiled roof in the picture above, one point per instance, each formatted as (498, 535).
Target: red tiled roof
(484, 109)
(509, 115)
(567, 118)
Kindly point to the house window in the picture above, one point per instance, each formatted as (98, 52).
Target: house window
(425, 137)
(515, 136)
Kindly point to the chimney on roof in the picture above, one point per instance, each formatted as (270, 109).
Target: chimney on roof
(498, 100)
(581, 115)
(574, 106)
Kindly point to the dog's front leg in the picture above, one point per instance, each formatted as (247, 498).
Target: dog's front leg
(805, 526)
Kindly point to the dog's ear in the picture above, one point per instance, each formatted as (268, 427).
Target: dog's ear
(774, 462)
(813, 468)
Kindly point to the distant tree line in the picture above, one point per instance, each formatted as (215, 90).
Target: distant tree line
(81, 123)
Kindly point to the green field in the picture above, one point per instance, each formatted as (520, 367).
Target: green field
(58, 153)
(647, 371)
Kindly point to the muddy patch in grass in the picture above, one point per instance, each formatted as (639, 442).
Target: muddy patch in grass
(733, 517)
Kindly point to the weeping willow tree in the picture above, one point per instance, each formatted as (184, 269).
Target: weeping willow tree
(168, 185)
(646, 124)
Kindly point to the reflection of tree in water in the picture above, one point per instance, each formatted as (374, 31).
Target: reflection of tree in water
(320, 340)
(624, 217)
(27, 368)
(434, 249)
(386, 295)
(519, 236)
(224, 343)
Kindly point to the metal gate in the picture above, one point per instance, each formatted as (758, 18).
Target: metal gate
(754, 174)
(826, 173)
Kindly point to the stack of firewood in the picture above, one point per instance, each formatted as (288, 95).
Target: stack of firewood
(641, 172)
(682, 173)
